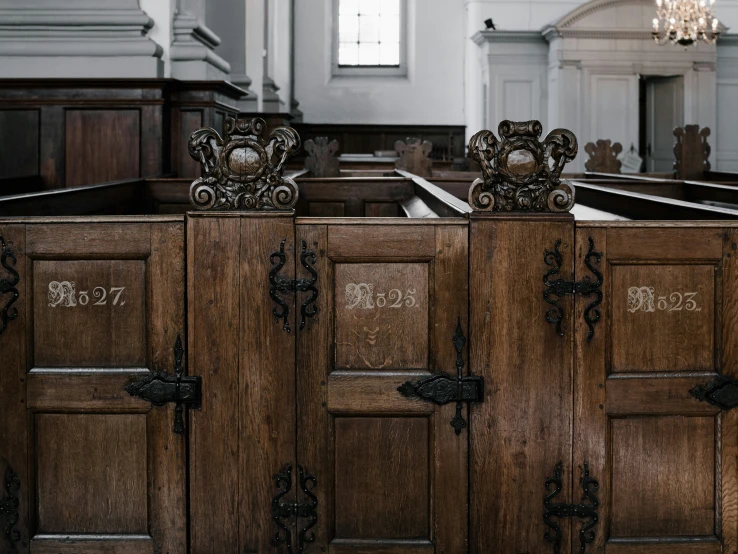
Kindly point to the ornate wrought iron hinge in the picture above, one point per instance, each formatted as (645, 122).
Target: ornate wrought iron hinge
(280, 285)
(7, 286)
(161, 388)
(556, 289)
(282, 512)
(722, 392)
(585, 511)
(443, 388)
(9, 508)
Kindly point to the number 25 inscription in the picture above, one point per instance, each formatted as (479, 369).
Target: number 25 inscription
(64, 294)
(360, 296)
(644, 299)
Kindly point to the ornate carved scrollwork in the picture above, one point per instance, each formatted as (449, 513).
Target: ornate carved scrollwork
(279, 285)
(557, 288)
(8, 286)
(691, 152)
(603, 156)
(721, 392)
(243, 171)
(415, 156)
(282, 511)
(161, 388)
(443, 388)
(585, 511)
(9, 505)
(521, 173)
(321, 160)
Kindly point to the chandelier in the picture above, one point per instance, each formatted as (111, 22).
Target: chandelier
(685, 22)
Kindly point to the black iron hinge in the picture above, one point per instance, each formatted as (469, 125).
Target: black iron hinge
(9, 508)
(443, 388)
(721, 392)
(8, 286)
(557, 288)
(161, 388)
(283, 512)
(279, 285)
(586, 511)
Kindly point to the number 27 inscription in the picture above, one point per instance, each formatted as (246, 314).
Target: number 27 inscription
(63, 293)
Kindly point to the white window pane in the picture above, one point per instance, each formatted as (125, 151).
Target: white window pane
(348, 7)
(368, 7)
(389, 53)
(369, 28)
(369, 54)
(348, 28)
(389, 7)
(389, 30)
(348, 53)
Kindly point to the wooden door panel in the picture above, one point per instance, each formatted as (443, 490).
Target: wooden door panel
(391, 471)
(105, 472)
(661, 457)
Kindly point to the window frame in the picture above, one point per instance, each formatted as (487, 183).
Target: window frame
(370, 70)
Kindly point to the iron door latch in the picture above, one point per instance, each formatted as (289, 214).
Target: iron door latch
(722, 392)
(279, 285)
(557, 288)
(161, 388)
(9, 509)
(443, 388)
(8, 286)
(282, 512)
(586, 511)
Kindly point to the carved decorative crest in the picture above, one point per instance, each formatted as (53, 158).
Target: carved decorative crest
(521, 173)
(603, 156)
(321, 160)
(415, 156)
(691, 152)
(243, 170)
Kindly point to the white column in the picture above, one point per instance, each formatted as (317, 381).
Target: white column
(77, 39)
(193, 48)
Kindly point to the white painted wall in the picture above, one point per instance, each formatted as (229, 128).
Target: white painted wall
(432, 93)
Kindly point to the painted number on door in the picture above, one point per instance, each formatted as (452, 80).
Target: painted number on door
(361, 296)
(64, 294)
(645, 299)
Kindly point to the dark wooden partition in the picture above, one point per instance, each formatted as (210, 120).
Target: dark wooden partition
(74, 132)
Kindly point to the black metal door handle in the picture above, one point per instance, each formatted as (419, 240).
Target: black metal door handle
(721, 392)
(443, 388)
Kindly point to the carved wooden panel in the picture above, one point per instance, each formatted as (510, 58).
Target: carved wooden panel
(603, 156)
(691, 152)
(102, 146)
(19, 135)
(100, 470)
(89, 313)
(385, 464)
(382, 316)
(662, 458)
(415, 156)
(322, 158)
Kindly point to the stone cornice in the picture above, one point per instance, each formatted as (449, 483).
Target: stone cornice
(482, 37)
(193, 41)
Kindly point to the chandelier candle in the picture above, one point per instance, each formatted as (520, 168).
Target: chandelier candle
(685, 22)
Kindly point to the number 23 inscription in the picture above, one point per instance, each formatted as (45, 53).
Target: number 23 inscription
(644, 299)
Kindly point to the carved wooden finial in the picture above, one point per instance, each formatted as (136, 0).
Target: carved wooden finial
(521, 173)
(691, 152)
(603, 156)
(243, 171)
(322, 160)
(415, 156)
